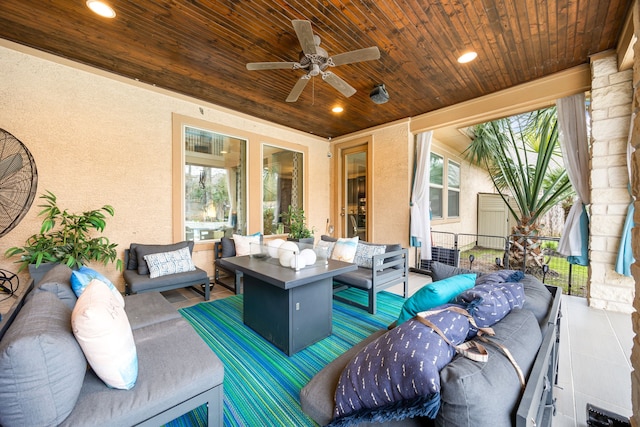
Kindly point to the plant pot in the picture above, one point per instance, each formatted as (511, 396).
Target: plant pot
(38, 273)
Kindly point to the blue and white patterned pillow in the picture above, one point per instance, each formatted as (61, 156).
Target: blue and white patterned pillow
(365, 253)
(165, 263)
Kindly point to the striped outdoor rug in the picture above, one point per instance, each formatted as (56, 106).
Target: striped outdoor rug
(262, 384)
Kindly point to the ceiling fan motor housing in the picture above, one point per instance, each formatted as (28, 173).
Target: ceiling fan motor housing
(379, 94)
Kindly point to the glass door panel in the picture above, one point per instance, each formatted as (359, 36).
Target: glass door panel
(354, 208)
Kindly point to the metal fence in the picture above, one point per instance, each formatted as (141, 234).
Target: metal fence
(491, 253)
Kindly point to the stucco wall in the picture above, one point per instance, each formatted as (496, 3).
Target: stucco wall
(99, 139)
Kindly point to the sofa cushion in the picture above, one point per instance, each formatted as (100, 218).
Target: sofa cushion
(174, 365)
(441, 271)
(538, 299)
(81, 278)
(486, 394)
(102, 329)
(58, 281)
(434, 294)
(228, 247)
(143, 250)
(41, 365)
(165, 263)
(365, 252)
(345, 249)
(147, 309)
(360, 278)
(138, 283)
(326, 246)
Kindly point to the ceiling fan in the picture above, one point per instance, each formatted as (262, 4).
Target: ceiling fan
(315, 60)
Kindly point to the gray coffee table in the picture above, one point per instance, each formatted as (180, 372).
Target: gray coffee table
(290, 309)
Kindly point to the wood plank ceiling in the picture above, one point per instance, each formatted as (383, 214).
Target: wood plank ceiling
(201, 48)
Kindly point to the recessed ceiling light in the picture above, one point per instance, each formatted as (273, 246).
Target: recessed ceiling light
(467, 57)
(101, 8)
(337, 109)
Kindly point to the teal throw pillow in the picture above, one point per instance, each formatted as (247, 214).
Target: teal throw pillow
(81, 277)
(435, 294)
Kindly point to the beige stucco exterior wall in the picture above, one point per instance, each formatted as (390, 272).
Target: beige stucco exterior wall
(100, 139)
(610, 115)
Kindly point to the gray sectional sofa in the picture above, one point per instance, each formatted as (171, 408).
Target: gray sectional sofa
(472, 393)
(45, 380)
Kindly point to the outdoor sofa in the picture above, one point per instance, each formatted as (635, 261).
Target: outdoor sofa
(471, 393)
(45, 380)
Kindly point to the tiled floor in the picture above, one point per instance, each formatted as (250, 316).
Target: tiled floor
(595, 351)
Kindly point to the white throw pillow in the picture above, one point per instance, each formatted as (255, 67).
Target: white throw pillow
(165, 263)
(102, 329)
(345, 249)
(244, 244)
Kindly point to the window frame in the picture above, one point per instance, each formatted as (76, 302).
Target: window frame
(445, 188)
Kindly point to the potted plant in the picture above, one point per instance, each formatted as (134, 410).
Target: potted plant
(66, 238)
(295, 221)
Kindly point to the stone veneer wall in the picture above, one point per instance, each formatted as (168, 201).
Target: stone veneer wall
(635, 188)
(611, 95)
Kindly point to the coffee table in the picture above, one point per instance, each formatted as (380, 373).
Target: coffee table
(290, 309)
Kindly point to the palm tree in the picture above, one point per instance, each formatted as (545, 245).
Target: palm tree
(522, 155)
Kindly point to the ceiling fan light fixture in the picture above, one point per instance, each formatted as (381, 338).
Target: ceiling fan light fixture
(101, 8)
(315, 70)
(467, 57)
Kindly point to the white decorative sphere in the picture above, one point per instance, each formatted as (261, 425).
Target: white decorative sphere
(309, 256)
(285, 253)
(272, 247)
(298, 262)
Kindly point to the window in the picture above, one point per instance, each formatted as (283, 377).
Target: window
(439, 187)
(214, 184)
(282, 185)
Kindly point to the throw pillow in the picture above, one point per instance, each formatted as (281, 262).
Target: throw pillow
(81, 278)
(365, 252)
(397, 375)
(490, 302)
(165, 263)
(434, 294)
(244, 243)
(228, 247)
(142, 250)
(42, 367)
(345, 249)
(325, 248)
(102, 329)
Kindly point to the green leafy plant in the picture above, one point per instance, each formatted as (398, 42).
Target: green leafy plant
(67, 238)
(295, 221)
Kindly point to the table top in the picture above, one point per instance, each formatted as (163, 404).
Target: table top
(269, 270)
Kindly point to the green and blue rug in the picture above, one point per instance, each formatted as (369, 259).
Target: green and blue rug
(261, 383)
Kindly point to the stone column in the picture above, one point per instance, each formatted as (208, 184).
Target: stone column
(611, 98)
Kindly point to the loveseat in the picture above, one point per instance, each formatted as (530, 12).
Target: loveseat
(45, 380)
(471, 393)
(139, 278)
(380, 266)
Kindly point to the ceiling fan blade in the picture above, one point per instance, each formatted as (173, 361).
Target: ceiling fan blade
(271, 65)
(298, 88)
(343, 87)
(366, 54)
(305, 36)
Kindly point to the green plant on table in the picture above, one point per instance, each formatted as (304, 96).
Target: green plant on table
(67, 238)
(295, 221)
